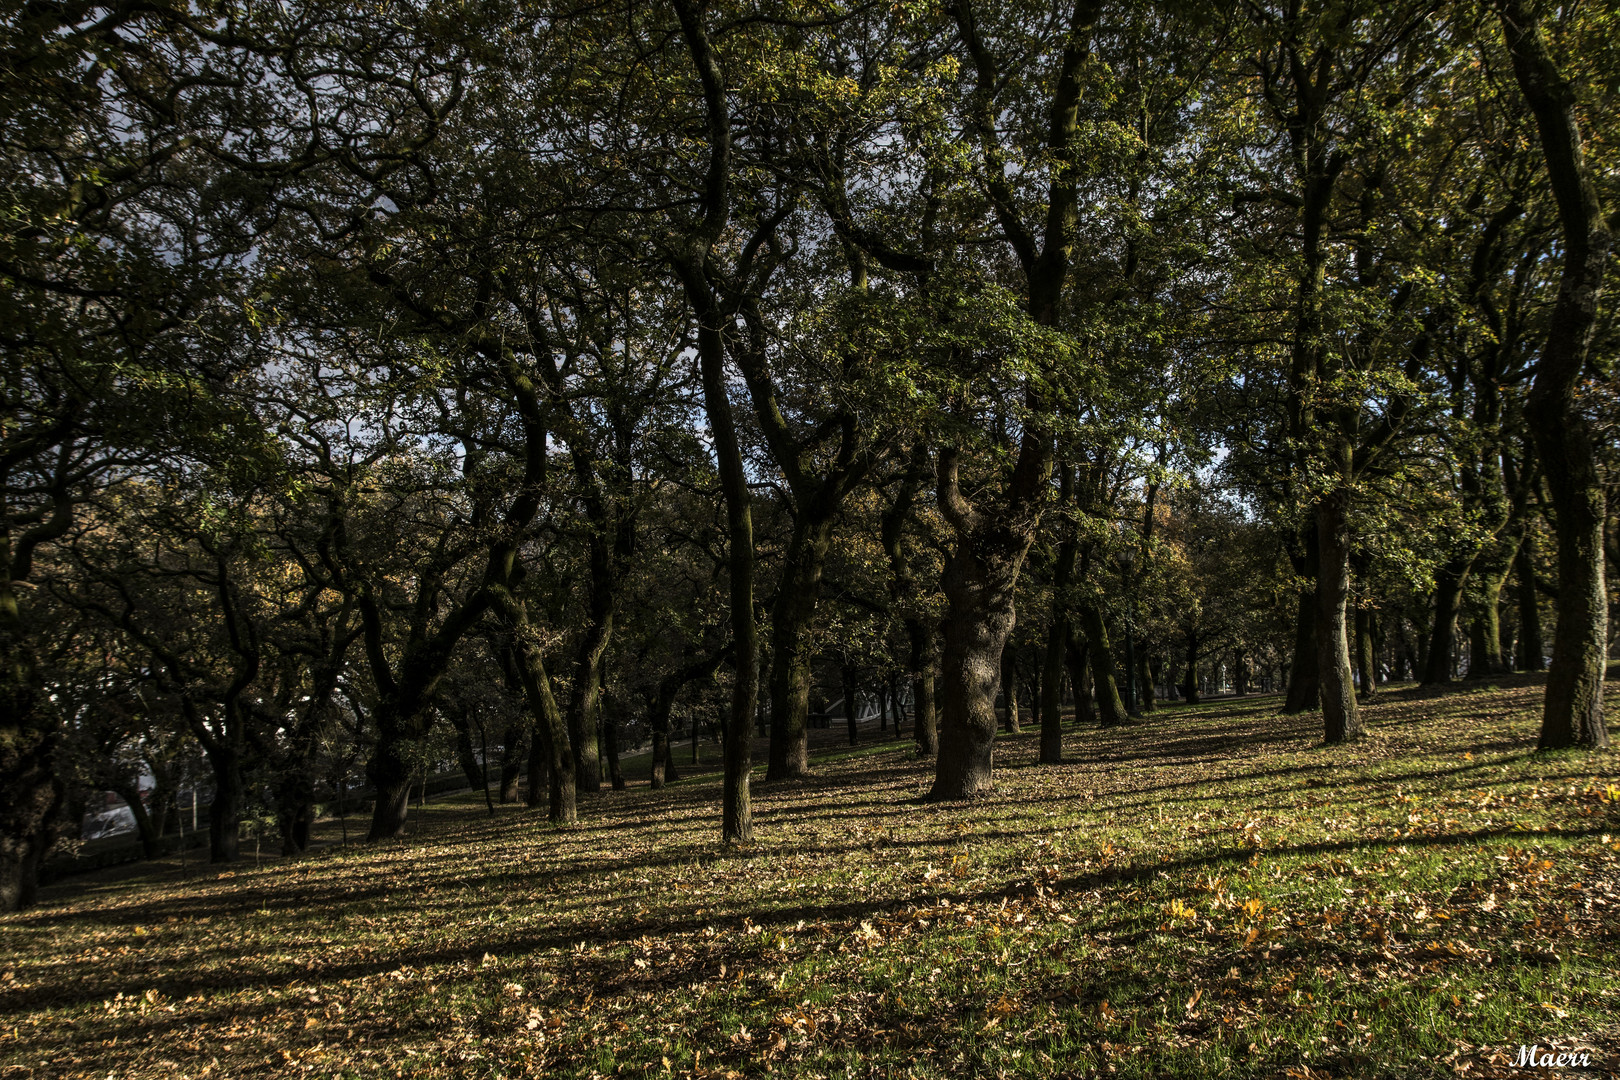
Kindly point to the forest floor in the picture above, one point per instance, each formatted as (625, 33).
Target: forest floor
(1210, 892)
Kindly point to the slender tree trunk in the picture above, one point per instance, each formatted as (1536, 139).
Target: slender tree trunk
(849, 703)
(694, 266)
(1085, 711)
(1303, 683)
(1531, 653)
(1110, 709)
(1189, 685)
(145, 827)
(1341, 719)
(1057, 643)
(610, 737)
(1144, 677)
(513, 751)
(466, 755)
(1449, 581)
(1366, 657)
(923, 658)
(1009, 687)
(1572, 714)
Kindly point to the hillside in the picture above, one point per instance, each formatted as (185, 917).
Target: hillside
(1208, 892)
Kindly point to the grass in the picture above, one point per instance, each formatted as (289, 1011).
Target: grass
(1210, 892)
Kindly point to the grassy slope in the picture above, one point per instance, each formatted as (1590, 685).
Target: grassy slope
(1207, 893)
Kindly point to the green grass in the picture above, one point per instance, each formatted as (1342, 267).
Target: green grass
(1210, 892)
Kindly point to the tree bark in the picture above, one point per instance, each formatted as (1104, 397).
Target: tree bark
(513, 751)
(1340, 716)
(792, 616)
(1303, 682)
(1057, 643)
(1009, 688)
(924, 657)
(1110, 709)
(1449, 582)
(1566, 445)
(848, 672)
(1530, 654)
(1366, 657)
(1144, 677)
(1189, 685)
(1085, 711)
(692, 266)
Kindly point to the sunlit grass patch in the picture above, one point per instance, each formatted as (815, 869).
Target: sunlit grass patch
(1209, 892)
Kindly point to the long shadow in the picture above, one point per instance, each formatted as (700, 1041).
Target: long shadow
(180, 986)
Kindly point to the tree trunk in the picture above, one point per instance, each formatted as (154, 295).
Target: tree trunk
(225, 812)
(1341, 720)
(1075, 657)
(848, 672)
(1366, 656)
(1057, 643)
(1240, 673)
(1009, 687)
(792, 653)
(610, 737)
(979, 591)
(1189, 685)
(145, 827)
(550, 757)
(1566, 445)
(1110, 709)
(467, 754)
(584, 704)
(513, 751)
(923, 658)
(1304, 687)
(1449, 581)
(1531, 651)
(1144, 677)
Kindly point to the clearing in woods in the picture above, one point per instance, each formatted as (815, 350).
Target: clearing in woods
(1208, 892)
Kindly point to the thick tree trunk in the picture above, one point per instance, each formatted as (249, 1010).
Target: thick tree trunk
(1341, 719)
(1110, 709)
(390, 776)
(1566, 445)
(1240, 673)
(225, 812)
(584, 703)
(792, 654)
(979, 590)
